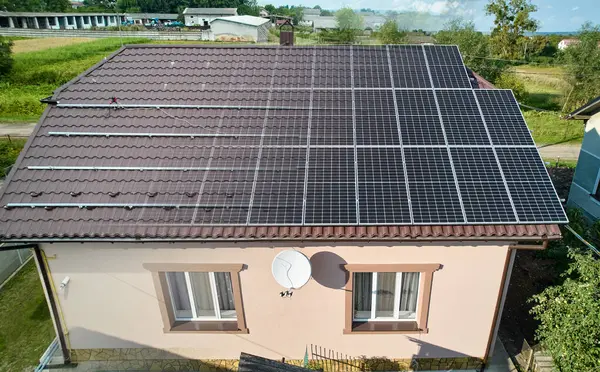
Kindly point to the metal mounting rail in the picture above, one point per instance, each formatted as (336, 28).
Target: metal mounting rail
(130, 205)
(184, 169)
(190, 135)
(151, 106)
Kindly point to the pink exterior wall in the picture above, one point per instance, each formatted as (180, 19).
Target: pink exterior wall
(110, 301)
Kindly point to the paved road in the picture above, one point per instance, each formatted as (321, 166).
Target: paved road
(23, 129)
(565, 152)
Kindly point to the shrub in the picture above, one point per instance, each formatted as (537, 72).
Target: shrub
(6, 60)
(9, 152)
(510, 81)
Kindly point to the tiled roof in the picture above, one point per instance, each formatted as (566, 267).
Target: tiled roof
(167, 76)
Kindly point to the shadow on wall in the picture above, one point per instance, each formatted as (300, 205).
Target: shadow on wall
(327, 270)
(138, 357)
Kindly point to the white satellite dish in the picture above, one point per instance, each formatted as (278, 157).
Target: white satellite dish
(291, 269)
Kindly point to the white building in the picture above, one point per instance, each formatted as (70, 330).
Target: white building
(247, 27)
(204, 16)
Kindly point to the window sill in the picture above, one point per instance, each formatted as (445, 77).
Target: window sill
(385, 327)
(205, 327)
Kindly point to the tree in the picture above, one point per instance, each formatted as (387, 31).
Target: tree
(389, 33)
(347, 19)
(349, 25)
(512, 20)
(6, 60)
(474, 46)
(570, 316)
(270, 8)
(326, 13)
(100, 4)
(249, 7)
(582, 63)
(57, 5)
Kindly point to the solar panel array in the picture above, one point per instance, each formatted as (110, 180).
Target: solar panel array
(392, 135)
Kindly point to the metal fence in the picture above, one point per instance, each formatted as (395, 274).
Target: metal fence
(10, 261)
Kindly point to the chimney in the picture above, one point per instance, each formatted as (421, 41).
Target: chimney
(286, 33)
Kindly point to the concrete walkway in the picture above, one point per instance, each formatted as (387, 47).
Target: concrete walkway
(500, 362)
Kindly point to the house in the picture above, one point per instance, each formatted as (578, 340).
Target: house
(241, 27)
(170, 189)
(324, 23)
(203, 16)
(585, 189)
(565, 43)
(76, 4)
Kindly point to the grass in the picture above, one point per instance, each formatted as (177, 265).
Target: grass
(546, 86)
(561, 163)
(32, 45)
(25, 326)
(35, 75)
(549, 128)
(9, 152)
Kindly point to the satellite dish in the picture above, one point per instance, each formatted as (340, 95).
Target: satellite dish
(291, 269)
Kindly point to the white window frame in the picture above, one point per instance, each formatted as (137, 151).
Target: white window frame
(397, 296)
(213, 288)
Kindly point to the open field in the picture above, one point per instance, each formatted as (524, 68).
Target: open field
(35, 75)
(32, 45)
(546, 86)
(25, 326)
(549, 128)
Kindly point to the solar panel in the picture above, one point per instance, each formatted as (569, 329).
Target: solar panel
(482, 187)
(443, 55)
(320, 136)
(532, 191)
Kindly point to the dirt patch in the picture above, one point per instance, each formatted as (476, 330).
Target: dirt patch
(32, 45)
(562, 178)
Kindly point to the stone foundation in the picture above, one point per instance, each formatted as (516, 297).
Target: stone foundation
(148, 359)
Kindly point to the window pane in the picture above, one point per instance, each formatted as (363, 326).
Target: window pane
(363, 283)
(202, 294)
(386, 288)
(408, 295)
(225, 295)
(179, 295)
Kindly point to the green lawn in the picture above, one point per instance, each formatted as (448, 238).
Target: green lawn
(25, 326)
(35, 75)
(549, 128)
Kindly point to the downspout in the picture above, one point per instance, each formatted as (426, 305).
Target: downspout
(500, 308)
(47, 287)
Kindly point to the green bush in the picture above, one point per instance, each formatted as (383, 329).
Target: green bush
(6, 59)
(510, 81)
(9, 152)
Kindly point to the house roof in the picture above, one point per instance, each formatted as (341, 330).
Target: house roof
(585, 111)
(244, 20)
(211, 11)
(165, 143)
(325, 22)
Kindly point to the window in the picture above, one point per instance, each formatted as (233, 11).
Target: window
(388, 298)
(199, 297)
(385, 296)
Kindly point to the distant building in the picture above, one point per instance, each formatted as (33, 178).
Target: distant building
(263, 13)
(76, 4)
(565, 43)
(203, 16)
(311, 12)
(585, 189)
(324, 23)
(246, 27)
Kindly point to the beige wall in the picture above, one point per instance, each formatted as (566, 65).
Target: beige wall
(110, 300)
